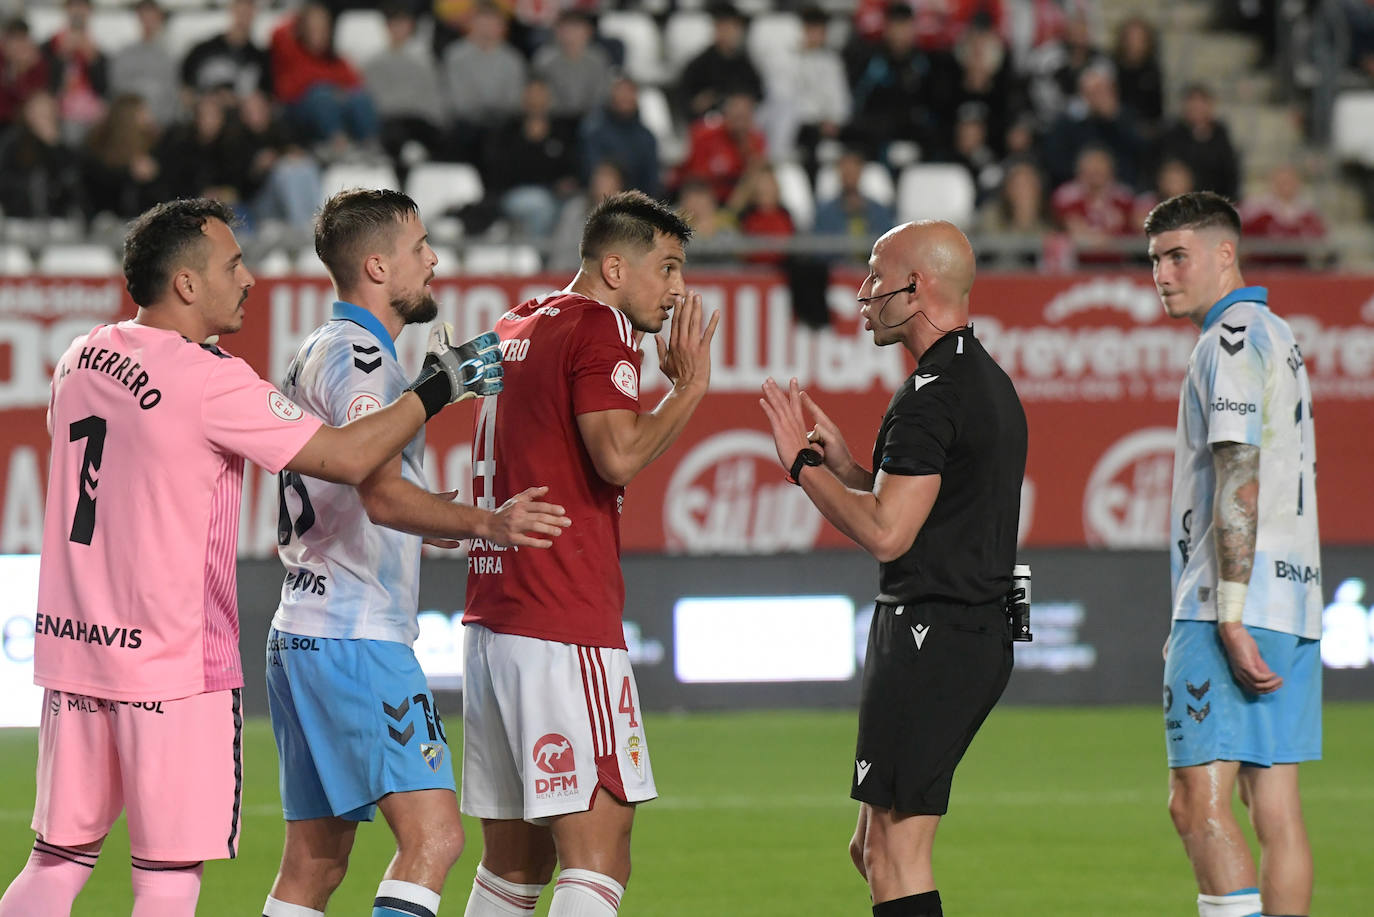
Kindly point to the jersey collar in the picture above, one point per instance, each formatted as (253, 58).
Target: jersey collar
(360, 316)
(1257, 295)
(954, 341)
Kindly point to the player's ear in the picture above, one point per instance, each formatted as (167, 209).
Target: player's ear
(185, 284)
(613, 270)
(1226, 250)
(374, 269)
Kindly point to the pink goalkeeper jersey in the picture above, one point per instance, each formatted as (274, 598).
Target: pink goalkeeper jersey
(137, 596)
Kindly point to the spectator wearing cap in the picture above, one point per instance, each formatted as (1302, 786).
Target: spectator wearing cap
(577, 71)
(807, 98)
(77, 70)
(230, 62)
(322, 91)
(851, 212)
(1201, 140)
(146, 68)
(614, 133)
(723, 69)
(722, 146)
(403, 81)
(23, 70)
(483, 79)
(1094, 118)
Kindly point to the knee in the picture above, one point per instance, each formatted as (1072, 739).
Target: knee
(441, 847)
(1190, 812)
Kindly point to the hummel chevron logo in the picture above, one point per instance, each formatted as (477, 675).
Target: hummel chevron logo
(398, 711)
(359, 348)
(402, 737)
(367, 367)
(861, 770)
(1196, 691)
(1232, 338)
(919, 631)
(1200, 715)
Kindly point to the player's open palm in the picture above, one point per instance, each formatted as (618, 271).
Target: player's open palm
(1247, 664)
(686, 357)
(524, 521)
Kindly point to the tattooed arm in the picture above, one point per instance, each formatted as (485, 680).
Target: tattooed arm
(1235, 517)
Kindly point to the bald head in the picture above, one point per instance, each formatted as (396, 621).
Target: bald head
(941, 254)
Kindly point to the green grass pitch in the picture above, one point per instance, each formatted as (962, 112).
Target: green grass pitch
(1055, 812)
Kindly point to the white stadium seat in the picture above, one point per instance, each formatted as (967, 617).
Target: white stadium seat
(275, 263)
(114, 30)
(308, 264)
(935, 191)
(353, 175)
(774, 37)
(658, 118)
(500, 258)
(44, 22)
(875, 181)
(643, 43)
(78, 260)
(15, 261)
(188, 28)
(438, 187)
(360, 35)
(686, 34)
(1352, 127)
(794, 188)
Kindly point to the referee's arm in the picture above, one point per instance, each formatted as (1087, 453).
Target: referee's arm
(883, 521)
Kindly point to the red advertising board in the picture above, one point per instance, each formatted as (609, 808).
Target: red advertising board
(1097, 365)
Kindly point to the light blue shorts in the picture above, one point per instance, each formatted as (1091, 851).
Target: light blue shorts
(354, 720)
(1208, 717)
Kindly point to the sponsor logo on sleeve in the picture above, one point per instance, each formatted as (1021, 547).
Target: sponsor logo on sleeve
(1226, 405)
(363, 404)
(626, 379)
(284, 407)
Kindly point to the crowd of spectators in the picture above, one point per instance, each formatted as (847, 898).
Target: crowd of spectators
(1062, 138)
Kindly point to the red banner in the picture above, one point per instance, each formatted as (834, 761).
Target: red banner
(1097, 364)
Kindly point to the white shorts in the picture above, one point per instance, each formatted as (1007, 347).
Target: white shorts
(545, 725)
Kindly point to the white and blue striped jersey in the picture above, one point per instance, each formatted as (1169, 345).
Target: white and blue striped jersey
(1247, 384)
(346, 578)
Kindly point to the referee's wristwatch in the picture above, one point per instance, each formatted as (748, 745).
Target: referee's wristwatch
(806, 457)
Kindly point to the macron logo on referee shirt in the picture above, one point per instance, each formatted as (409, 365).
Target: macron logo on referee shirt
(861, 770)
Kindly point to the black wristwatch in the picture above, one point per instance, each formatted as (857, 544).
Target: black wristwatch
(805, 457)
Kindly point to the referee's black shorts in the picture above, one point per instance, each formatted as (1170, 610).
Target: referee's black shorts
(932, 675)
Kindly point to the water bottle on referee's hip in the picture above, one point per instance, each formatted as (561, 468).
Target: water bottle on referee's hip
(1019, 603)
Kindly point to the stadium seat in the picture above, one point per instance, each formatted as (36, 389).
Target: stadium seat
(643, 43)
(442, 186)
(450, 265)
(1352, 127)
(343, 175)
(188, 28)
(360, 35)
(686, 34)
(308, 264)
(44, 21)
(275, 263)
(773, 37)
(15, 261)
(658, 118)
(875, 181)
(265, 23)
(501, 258)
(114, 29)
(935, 191)
(795, 190)
(78, 259)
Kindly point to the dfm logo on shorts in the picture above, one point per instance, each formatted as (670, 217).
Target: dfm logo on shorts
(553, 754)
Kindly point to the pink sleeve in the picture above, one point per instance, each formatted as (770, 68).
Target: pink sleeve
(246, 415)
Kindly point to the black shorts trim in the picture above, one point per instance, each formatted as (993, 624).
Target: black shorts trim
(932, 675)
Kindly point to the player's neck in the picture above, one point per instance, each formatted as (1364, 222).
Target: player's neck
(381, 309)
(585, 284)
(169, 318)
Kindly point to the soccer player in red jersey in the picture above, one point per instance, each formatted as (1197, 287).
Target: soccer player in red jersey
(551, 715)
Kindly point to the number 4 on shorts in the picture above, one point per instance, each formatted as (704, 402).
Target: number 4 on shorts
(627, 702)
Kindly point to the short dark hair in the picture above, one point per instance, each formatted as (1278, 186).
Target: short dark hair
(356, 218)
(630, 217)
(1193, 210)
(166, 237)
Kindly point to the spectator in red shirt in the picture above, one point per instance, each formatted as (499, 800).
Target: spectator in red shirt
(23, 71)
(1284, 212)
(1093, 207)
(322, 91)
(758, 201)
(722, 146)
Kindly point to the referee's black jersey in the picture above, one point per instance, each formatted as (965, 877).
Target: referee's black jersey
(957, 416)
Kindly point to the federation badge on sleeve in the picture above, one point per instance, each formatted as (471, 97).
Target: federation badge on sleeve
(284, 407)
(363, 403)
(433, 753)
(626, 379)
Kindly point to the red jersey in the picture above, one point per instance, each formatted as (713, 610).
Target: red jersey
(563, 355)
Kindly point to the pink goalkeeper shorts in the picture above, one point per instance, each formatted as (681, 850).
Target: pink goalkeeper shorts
(175, 766)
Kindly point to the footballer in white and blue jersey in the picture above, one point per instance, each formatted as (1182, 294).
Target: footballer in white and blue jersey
(1246, 384)
(352, 713)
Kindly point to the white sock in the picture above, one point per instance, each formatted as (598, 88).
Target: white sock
(413, 899)
(583, 893)
(1243, 903)
(275, 908)
(493, 896)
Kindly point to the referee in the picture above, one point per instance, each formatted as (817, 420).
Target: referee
(939, 511)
